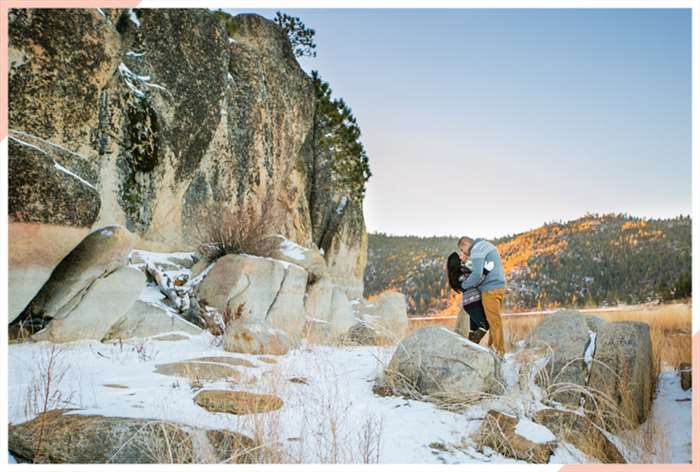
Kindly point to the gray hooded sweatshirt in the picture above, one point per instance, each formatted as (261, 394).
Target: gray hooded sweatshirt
(480, 253)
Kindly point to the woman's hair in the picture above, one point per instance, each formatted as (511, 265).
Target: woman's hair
(454, 270)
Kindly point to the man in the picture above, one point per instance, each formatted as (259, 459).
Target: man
(492, 287)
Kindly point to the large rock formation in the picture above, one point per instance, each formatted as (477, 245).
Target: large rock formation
(98, 255)
(262, 288)
(611, 362)
(153, 118)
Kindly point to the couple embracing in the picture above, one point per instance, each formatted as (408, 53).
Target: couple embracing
(476, 272)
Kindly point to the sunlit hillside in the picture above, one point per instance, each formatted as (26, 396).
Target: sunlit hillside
(596, 260)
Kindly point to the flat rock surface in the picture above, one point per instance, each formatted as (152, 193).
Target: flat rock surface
(237, 402)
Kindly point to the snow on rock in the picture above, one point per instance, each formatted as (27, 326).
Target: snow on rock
(590, 350)
(341, 206)
(56, 164)
(134, 18)
(533, 431)
(293, 250)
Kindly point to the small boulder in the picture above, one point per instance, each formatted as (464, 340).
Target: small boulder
(463, 327)
(436, 363)
(100, 307)
(386, 315)
(236, 402)
(582, 433)
(195, 370)
(252, 336)
(621, 373)
(93, 439)
(520, 439)
(234, 361)
(362, 334)
(686, 372)
(144, 320)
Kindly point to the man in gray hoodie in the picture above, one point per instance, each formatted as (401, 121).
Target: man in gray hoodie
(492, 287)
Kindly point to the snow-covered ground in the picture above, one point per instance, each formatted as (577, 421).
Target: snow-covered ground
(330, 413)
(332, 391)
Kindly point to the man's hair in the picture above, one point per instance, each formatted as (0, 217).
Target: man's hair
(464, 239)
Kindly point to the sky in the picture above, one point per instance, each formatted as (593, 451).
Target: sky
(493, 122)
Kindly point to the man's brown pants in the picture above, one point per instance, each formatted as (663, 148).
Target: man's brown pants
(493, 302)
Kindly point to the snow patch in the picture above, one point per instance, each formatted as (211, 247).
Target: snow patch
(293, 250)
(590, 350)
(49, 143)
(533, 432)
(341, 206)
(134, 18)
(66, 171)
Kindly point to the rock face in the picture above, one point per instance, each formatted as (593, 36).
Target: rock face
(98, 255)
(81, 439)
(622, 371)
(265, 289)
(519, 439)
(144, 320)
(582, 433)
(436, 363)
(103, 107)
(567, 334)
(252, 336)
(238, 403)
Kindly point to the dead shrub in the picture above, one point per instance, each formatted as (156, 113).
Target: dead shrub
(241, 229)
(44, 392)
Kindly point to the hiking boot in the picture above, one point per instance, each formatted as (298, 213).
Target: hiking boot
(476, 336)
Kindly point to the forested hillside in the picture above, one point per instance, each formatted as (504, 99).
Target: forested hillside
(594, 260)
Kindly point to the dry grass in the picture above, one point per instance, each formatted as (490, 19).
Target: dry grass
(226, 230)
(44, 391)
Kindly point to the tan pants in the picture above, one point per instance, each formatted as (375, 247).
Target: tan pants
(493, 302)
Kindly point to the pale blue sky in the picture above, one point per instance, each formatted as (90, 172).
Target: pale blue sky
(488, 122)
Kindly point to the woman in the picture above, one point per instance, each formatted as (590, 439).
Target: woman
(457, 270)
